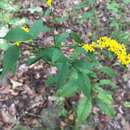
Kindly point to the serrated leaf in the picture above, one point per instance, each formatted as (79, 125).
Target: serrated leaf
(68, 89)
(108, 71)
(83, 64)
(84, 84)
(63, 73)
(17, 34)
(51, 54)
(84, 109)
(104, 82)
(106, 108)
(103, 95)
(10, 58)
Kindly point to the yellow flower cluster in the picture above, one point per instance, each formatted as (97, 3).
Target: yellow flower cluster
(111, 45)
(90, 47)
(49, 2)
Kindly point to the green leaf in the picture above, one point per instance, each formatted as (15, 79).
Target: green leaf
(63, 73)
(10, 58)
(84, 84)
(108, 71)
(83, 66)
(33, 60)
(51, 54)
(84, 109)
(113, 6)
(68, 89)
(60, 38)
(57, 56)
(103, 95)
(106, 108)
(74, 74)
(14, 69)
(17, 34)
(107, 82)
(38, 27)
(76, 37)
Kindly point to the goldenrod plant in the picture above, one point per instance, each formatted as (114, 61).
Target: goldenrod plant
(77, 72)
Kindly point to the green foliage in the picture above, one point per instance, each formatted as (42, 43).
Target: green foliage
(76, 37)
(108, 71)
(113, 6)
(73, 74)
(106, 82)
(84, 109)
(71, 86)
(77, 72)
(60, 38)
(104, 101)
(38, 27)
(106, 108)
(13, 37)
(10, 58)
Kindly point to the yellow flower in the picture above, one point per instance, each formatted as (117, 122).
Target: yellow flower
(111, 45)
(26, 28)
(88, 48)
(18, 43)
(49, 2)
